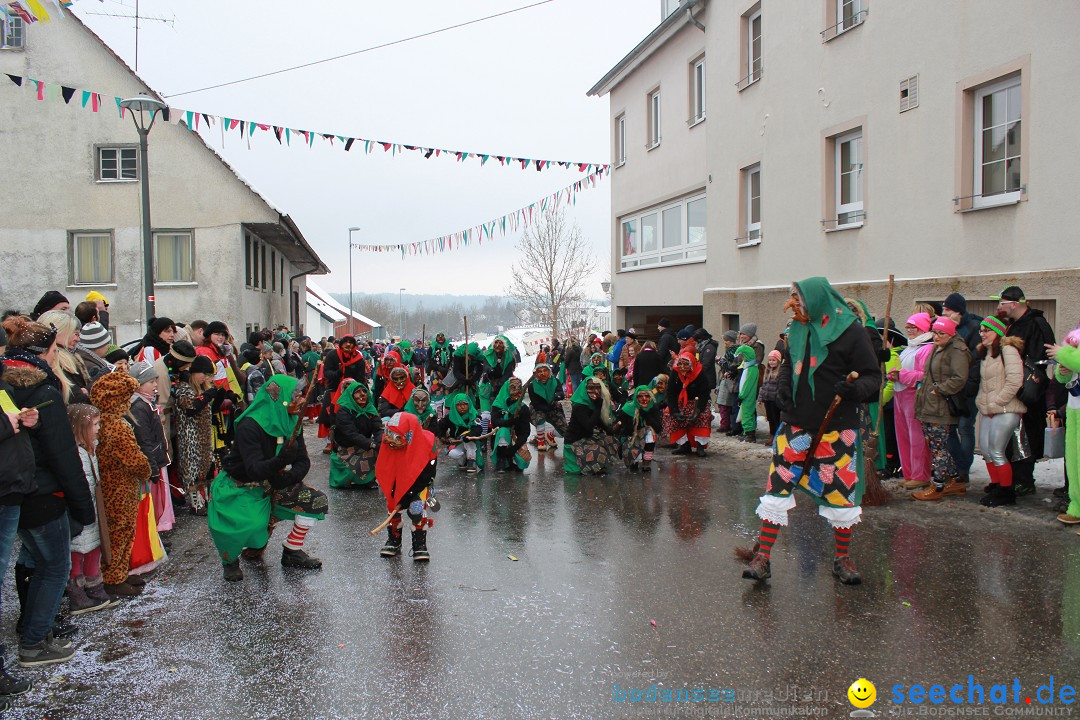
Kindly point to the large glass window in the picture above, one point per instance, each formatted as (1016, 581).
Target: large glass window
(754, 46)
(175, 256)
(12, 32)
(997, 143)
(654, 119)
(92, 258)
(670, 234)
(753, 204)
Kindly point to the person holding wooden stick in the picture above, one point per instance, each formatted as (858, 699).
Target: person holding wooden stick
(405, 471)
(262, 478)
(830, 368)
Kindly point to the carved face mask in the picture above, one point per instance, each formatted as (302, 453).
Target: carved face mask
(593, 391)
(399, 377)
(543, 374)
(515, 389)
(644, 398)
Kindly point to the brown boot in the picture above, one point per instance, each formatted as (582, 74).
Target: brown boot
(759, 568)
(955, 488)
(931, 493)
(123, 590)
(914, 484)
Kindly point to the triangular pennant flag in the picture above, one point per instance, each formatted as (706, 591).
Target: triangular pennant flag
(17, 79)
(67, 93)
(349, 144)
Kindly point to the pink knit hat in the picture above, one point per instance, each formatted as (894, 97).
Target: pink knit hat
(921, 321)
(945, 325)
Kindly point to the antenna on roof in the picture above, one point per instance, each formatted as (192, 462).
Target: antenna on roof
(137, 17)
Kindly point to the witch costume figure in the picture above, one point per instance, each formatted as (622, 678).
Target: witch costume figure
(510, 417)
(589, 446)
(405, 471)
(545, 399)
(357, 435)
(396, 393)
(261, 481)
(462, 421)
(688, 406)
(825, 345)
(639, 421)
(420, 405)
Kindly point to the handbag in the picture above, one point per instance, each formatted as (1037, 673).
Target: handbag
(1032, 389)
(1054, 439)
(1019, 448)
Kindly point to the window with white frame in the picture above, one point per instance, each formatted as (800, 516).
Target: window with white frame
(849, 186)
(849, 13)
(997, 143)
(117, 164)
(753, 46)
(666, 235)
(12, 33)
(697, 91)
(654, 118)
(174, 253)
(752, 177)
(91, 256)
(620, 139)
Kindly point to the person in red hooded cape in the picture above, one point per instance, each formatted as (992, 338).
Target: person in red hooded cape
(405, 472)
(390, 360)
(688, 405)
(396, 393)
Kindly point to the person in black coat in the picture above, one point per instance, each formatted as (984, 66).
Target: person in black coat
(648, 364)
(707, 348)
(1029, 325)
(589, 446)
(144, 420)
(571, 361)
(62, 502)
(344, 362)
(668, 343)
(467, 382)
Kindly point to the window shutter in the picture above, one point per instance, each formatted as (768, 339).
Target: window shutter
(909, 93)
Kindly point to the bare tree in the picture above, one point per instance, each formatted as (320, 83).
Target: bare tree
(554, 267)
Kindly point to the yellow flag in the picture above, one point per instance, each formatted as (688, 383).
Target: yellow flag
(39, 10)
(6, 403)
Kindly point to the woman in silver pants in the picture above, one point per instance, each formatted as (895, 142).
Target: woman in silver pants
(1001, 377)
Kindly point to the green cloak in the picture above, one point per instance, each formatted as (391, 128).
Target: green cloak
(410, 406)
(508, 354)
(404, 349)
(340, 474)
(509, 407)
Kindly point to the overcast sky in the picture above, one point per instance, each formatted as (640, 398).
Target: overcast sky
(513, 85)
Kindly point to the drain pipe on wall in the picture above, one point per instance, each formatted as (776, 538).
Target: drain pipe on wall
(691, 18)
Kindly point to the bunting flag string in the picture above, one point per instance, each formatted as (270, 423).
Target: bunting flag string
(199, 121)
(511, 222)
(32, 11)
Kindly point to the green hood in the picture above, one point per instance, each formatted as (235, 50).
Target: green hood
(410, 406)
(473, 349)
(404, 349)
(503, 402)
(508, 355)
(630, 406)
(462, 421)
(829, 318)
(581, 395)
(546, 391)
(273, 415)
(348, 402)
(444, 345)
(747, 354)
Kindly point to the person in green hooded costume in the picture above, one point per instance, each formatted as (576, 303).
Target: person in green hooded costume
(589, 446)
(358, 433)
(825, 344)
(462, 421)
(748, 392)
(511, 416)
(261, 481)
(411, 360)
(500, 359)
(440, 355)
(419, 404)
(639, 421)
(545, 401)
(596, 361)
(467, 368)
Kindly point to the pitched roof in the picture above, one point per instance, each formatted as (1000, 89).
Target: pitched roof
(284, 220)
(323, 296)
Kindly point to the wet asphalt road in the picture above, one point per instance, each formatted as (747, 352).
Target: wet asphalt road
(948, 591)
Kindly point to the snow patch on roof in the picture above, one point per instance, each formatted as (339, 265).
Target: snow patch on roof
(324, 297)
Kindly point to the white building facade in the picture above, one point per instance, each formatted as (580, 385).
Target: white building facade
(845, 138)
(71, 211)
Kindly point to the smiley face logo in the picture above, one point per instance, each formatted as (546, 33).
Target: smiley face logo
(862, 693)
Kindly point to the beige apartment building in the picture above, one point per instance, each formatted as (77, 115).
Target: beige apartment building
(758, 143)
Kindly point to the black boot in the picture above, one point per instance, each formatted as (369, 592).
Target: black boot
(750, 437)
(502, 463)
(700, 451)
(392, 548)
(232, 572)
(759, 568)
(419, 546)
(845, 571)
(299, 559)
(683, 449)
(999, 496)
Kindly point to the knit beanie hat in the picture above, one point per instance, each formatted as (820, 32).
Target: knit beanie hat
(731, 335)
(160, 325)
(183, 351)
(94, 335)
(921, 321)
(143, 372)
(201, 364)
(945, 325)
(664, 323)
(24, 333)
(956, 303)
(116, 356)
(47, 302)
(94, 296)
(748, 329)
(994, 324)
(774, 354)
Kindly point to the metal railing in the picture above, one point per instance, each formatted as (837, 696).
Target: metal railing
(843, 26)
(750, 79)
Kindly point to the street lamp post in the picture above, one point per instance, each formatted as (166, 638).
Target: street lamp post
(139, 107)
(351, 231)
(401, 327)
